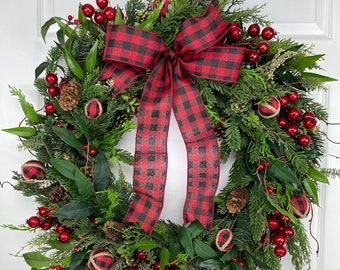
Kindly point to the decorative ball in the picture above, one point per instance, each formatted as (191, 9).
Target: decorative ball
(100, 259)
(270, 108)
(33, 169)
(301, 206)
(223, 240)
(93, 109)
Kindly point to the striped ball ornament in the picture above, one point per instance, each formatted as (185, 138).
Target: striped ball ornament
(33, 169)
(270, 108)
(224, 240)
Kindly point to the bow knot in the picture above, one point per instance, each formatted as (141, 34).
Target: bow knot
(129, 52)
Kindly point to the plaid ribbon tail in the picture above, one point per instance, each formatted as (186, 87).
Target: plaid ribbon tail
(150, 165)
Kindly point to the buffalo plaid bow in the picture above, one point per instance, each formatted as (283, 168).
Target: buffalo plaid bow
(196, 51)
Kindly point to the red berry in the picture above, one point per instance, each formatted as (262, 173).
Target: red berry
(304, 140)
(76, 22)
(102, 3)
(110, 13)
(141, 256)
(46, 224)
(64, 236)
(49, 108)
(51, 78)
(284, 101)
(93, 152)
(59, 124)
(72, 129)
(279, 239)
(234, 260)
(235, 33)
(241, 264)
(157, 266)
(308, 115)
(280, 251)
(268, 33)
(293, 96)
(254, 30)
(309, 123)
(266, 239)
(288, 232)
(253, 56)
(282, 122)
(273, 223)
(86, 146)
(263, 47)
(132, 267)
(294, 114)
(292, 130)
(284, 219)
(53, 90)
(60, 228)
(43, 211)
(33, 221)
(99, 18)
(261, 167)
(59, 267)
(87, 10)
(270, 190)
(63, 83)
(70, 17)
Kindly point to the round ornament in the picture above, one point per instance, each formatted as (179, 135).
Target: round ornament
(270, 108)
(224, 240)
(301, 206)
(100, 259)
(93, 109)
(33, 169)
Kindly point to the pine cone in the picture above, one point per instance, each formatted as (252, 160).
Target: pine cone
(57, 194)
(112, 230)
(69, 96)
(237, 199)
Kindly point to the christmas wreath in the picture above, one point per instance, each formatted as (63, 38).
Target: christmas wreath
(233, 86)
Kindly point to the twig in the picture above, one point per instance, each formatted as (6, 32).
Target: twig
(6, 182)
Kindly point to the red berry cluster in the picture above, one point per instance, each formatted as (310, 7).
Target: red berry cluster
(257, 44)
(280, 233)
(296, 122)
(141, 256)
(45, 222)
(57, 267)
(103, 14)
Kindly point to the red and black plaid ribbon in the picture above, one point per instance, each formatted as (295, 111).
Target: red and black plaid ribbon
(196, 51)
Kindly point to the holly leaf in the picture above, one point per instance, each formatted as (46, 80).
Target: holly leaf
(203, 250)
(24, 132)
(317, 77)
(312, 189)
(281, 171)
(75, 210)
(165, 256)
(102, 172)
(186, 242)
(145, 244)
(37, 260)
(91, 58)
(68, 137)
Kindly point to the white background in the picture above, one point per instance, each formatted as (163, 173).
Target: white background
(21, 50)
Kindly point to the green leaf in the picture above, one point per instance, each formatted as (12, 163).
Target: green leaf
(282, 172)
(165, 256)
(37, 260)
(46, 26)
(259, 263)
(102, 172)
(75, 210)
(26, 107)
(67, 29)
(229, 255)
(311, 189)
(82, 125)
(317, 175)
(55, 244)
(195, 228)
(307, 62)
(119, 19)
(40, 69)
(186, 242)
(68, 137)
(211, 264)
(91, 58)
(77, 259)
(24, 132)
(83, 20)
(318, 77)
(204, 250)
(73, 65)
(145, 245)
(71, 171)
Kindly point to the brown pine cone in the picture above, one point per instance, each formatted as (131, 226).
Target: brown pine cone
(58, 194)
(237, 199)
(113, 230)
(69, 96)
